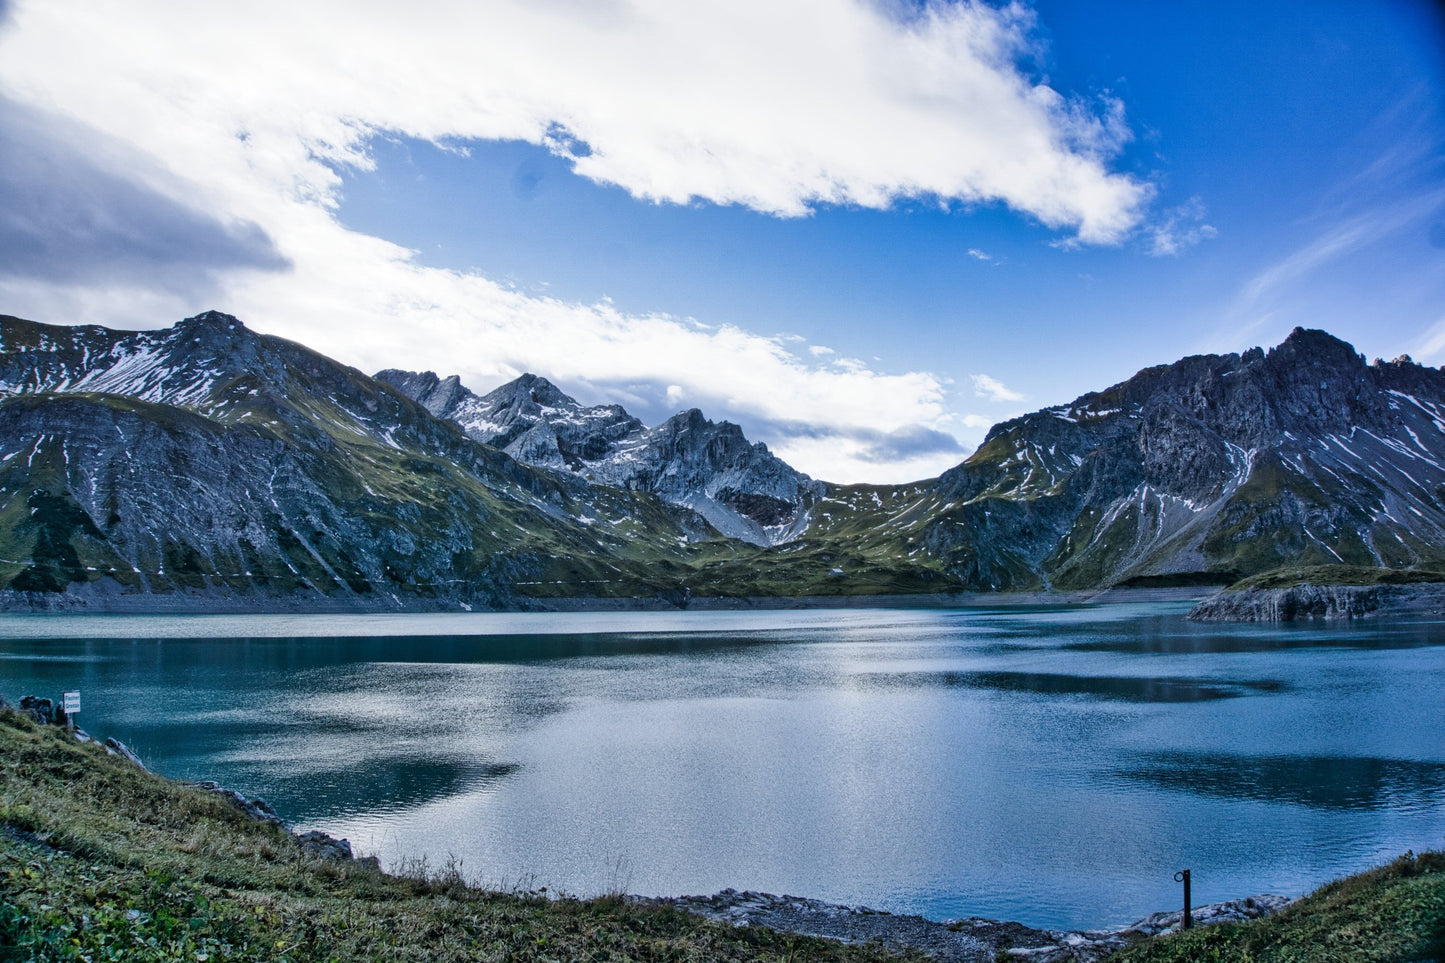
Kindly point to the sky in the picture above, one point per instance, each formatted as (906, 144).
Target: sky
(864, 230)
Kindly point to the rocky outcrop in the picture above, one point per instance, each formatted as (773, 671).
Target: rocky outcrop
(321, 845)
(1323, 602)
(969, 940)
(741, 488)
(313, 842)
(254, 808)
(40, 711)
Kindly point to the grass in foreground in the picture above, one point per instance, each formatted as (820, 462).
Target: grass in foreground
(101, 861)
(1393, 914)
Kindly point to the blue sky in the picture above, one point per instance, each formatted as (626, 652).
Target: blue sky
(865, 232)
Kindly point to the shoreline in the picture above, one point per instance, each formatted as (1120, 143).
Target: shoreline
(962, 940)
(205, 603)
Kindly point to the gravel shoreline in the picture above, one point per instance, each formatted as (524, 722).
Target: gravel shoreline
(968, 940)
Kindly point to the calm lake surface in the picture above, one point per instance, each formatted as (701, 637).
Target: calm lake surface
(1054, 766)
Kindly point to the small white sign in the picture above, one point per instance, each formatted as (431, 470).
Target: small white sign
(72, 703)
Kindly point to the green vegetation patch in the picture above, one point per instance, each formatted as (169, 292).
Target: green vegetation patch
(102, 861)
(1393, 914)
(1282, 578)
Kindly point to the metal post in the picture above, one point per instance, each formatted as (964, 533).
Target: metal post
(1183, 877)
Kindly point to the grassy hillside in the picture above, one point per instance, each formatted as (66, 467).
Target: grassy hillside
(1283, 578)
(101, 861)
(1393, 914)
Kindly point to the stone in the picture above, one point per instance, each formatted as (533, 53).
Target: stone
(117, 748)
(256, 808)
(324, 846)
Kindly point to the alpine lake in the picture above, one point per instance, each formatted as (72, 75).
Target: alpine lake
(1053, 765)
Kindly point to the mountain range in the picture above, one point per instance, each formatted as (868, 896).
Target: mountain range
(206, 465)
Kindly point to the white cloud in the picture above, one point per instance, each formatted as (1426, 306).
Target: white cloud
(993, 389)
(774, 106)
(246, 111)
(977, 254)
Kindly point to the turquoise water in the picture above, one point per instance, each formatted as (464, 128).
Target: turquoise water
(1054, 766)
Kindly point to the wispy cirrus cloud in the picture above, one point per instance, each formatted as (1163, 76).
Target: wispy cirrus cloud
(1314, 277)
(1429, 347)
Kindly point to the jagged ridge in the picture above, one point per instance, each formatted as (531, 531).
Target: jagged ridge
(741, 488)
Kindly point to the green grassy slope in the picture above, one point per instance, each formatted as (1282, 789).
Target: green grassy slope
(1338, 575)
(1393, 914)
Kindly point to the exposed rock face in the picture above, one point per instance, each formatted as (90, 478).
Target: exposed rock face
(1217, 466)
(1323, 602)
(741, 488)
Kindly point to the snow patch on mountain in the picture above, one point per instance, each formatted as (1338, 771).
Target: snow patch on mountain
(741, 488)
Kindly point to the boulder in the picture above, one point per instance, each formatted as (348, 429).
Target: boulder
(41, 710)
(323, 845)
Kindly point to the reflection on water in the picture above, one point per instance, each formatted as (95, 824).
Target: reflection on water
(1125, 688)
(1326, 782)
(1053, 765)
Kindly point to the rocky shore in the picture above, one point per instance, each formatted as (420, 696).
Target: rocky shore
(106, 598)
(968, 940)
(1322, 602)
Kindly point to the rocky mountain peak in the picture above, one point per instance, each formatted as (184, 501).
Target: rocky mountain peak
(740, 487)
(1312, 347)
(211, 332)
(212, 320)
(437, 395)
(530, 393)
